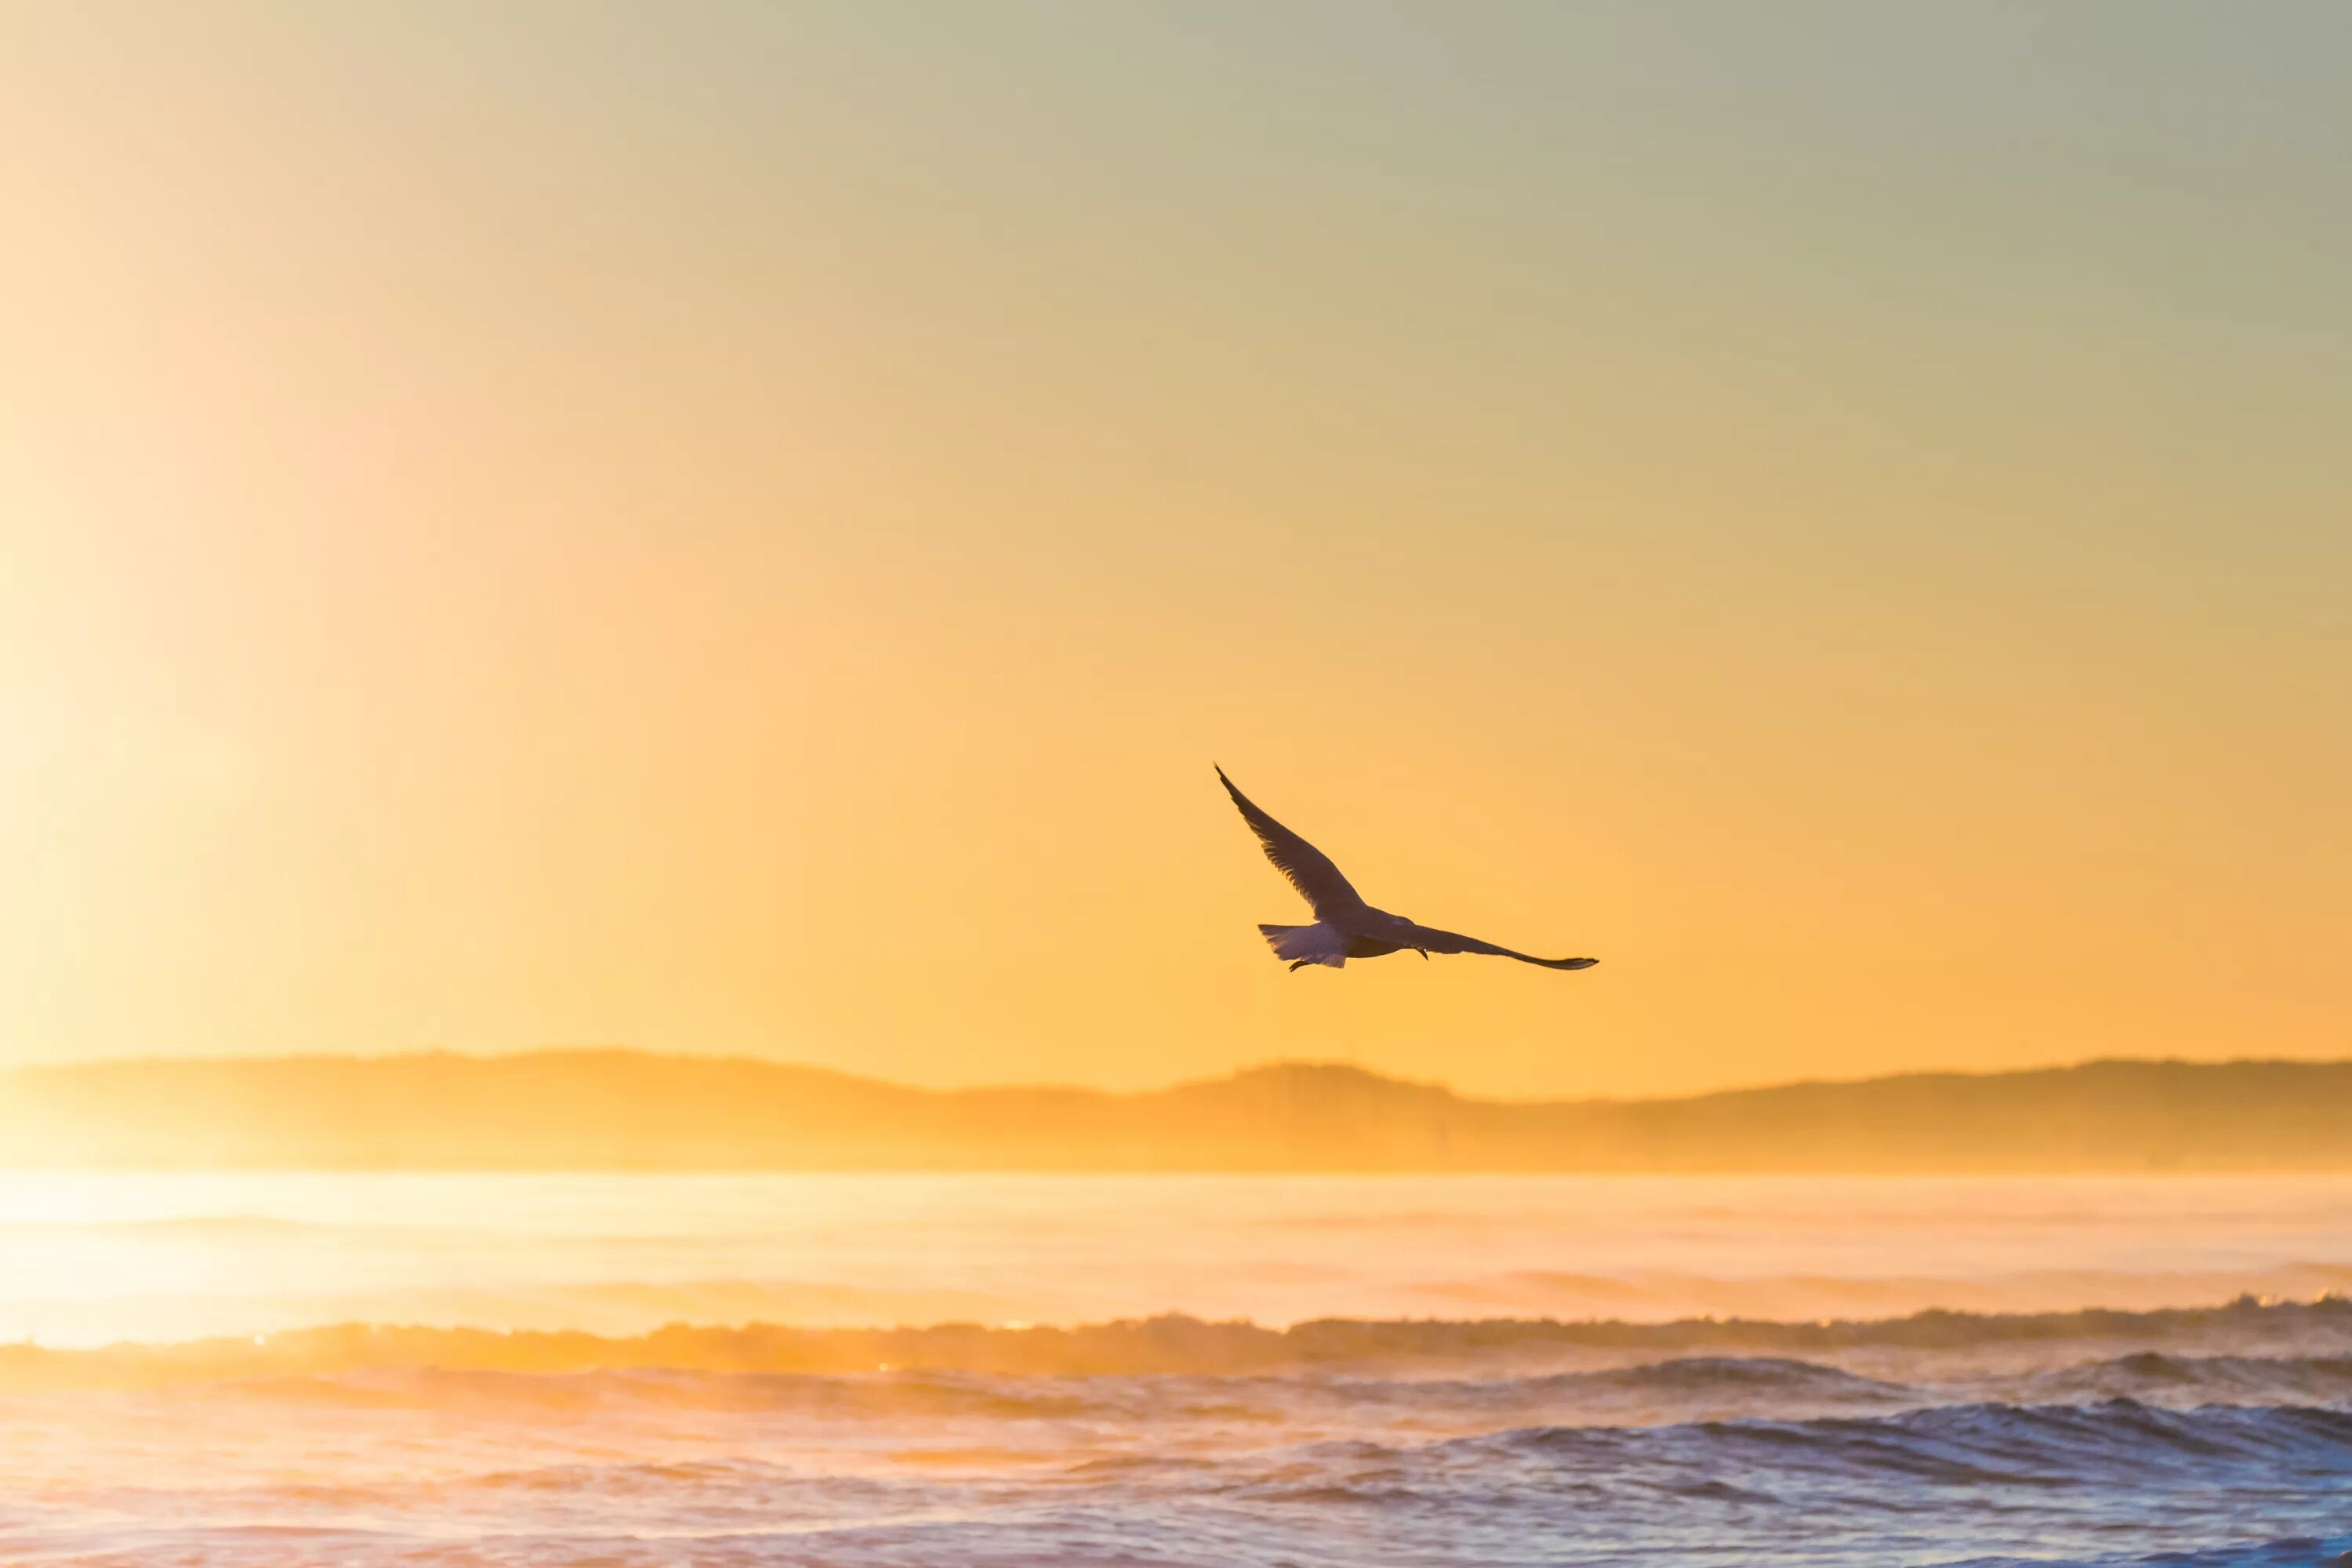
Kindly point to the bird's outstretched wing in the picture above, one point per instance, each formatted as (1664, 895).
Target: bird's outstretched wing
(1430, 940)
(1310, 869)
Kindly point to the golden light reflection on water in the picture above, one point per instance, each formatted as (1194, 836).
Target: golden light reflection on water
(88, 1259)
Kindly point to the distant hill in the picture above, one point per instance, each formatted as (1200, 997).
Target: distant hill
(626, 1110)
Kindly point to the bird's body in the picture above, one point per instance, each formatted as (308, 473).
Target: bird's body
(1344, 926)
(1329, 941)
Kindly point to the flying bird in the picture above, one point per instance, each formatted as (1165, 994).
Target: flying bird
(1344, 926)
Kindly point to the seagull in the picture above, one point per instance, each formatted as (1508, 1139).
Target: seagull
(1344, 926)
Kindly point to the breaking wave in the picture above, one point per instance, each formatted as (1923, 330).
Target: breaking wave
(2246, 1337)
(2113, 1441)
(2215, 1438)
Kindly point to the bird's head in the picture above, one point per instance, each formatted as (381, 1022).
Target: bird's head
(1401, 920)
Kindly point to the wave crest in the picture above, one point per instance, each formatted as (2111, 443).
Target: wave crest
(1993, 1444)
(1716, 1349)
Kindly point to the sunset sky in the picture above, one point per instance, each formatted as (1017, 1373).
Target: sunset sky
(743, 527)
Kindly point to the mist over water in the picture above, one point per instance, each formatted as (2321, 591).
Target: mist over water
(283, 1370)
(86, 1259)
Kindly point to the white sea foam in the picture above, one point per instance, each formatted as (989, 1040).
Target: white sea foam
(2096, 1397)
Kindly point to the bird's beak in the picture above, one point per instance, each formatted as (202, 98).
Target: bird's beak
(1424, 953)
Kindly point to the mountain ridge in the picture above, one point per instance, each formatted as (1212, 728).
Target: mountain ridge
(614, 1108)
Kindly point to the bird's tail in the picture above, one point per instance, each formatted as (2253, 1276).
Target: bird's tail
(1317, 943)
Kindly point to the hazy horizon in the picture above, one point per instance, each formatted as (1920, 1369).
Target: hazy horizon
(1221, 1074)
(622, 1111)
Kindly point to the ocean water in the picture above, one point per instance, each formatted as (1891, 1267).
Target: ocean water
(283, 1371)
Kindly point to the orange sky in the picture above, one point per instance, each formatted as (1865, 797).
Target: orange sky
(743, 529)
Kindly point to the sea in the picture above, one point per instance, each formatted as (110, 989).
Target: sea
(293, 1370)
